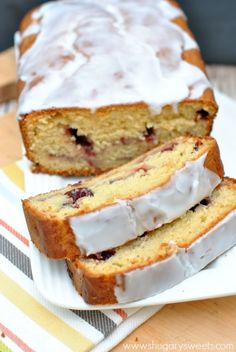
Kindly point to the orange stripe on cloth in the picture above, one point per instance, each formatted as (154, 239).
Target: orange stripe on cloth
(15, 339)
(15, 174)
(14, 232)
(121, 313)
(43, 317)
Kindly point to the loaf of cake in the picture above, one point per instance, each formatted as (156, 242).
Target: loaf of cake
(111, 209)
(162, 258)
(101, 82)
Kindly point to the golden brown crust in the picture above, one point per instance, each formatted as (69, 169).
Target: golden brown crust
(29, 40)
(26, 43)
(27, 20)
(174, 3)
(103, 110)
(213, 161)
(94, 290)
(180, 21)
(92, 171)
(53, 237)
(20, 87)
(193, 57)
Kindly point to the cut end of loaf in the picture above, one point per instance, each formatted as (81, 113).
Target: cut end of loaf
(67, 142)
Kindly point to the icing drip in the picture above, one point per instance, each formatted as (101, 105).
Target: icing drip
(127, 219)
(106, 53)
(160, 276)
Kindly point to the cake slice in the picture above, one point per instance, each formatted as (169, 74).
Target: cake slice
(162, 258)
(111, 209)
(101, 82)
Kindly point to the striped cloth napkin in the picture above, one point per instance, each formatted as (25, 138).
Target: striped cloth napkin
(27, 321)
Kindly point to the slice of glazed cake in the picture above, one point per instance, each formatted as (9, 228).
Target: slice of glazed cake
(116, 207)
(162, 258)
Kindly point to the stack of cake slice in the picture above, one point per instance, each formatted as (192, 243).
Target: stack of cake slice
(143, 227)
(100, 83)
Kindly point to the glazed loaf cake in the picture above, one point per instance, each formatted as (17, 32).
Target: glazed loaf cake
(101, 82)
(162, 258)
(111, 209)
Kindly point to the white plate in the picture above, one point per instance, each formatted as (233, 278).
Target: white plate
(54, 283)
(216, 280)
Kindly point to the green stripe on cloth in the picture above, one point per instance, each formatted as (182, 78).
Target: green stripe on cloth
(15, 174)
(4, 348)
(43, 317)
(95, 318)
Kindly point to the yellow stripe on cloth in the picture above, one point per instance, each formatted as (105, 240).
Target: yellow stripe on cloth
(4, 348)
(15, 174)
(43, 317)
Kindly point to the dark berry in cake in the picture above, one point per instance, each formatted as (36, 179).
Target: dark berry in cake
(201, 115)
(150, 134)
(82, 140)
(78, 193)
(204, 202)
(102, 255)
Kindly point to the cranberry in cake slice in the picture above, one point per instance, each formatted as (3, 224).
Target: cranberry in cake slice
(107, 211)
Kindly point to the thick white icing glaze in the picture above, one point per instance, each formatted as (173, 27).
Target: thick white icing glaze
(92, 53)
(125, 220)
(153, 279)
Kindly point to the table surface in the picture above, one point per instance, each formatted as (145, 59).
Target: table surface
(197, 326)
